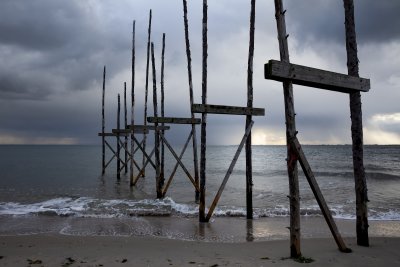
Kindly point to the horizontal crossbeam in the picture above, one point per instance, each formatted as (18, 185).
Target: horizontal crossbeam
(306, 76)
(148, 127)
(171, 120)
(231, 110)
(127, 132)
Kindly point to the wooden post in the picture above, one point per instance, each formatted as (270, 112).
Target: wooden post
(189, 67)
(132, 105)
(125, 125)
(202, 215)
(159, 182)
(103, 122)
(356, 129)
(118, 140)
(294, 197)
(162, 110)
(249, 165)
(146, 88)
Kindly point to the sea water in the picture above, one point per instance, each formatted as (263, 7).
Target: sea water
(60, 189)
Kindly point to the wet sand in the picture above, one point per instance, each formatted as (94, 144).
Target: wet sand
(62, 250)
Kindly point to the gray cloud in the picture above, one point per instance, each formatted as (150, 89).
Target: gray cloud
(323, 20)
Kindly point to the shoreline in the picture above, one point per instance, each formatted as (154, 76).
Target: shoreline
(62, 250)
(220, 229)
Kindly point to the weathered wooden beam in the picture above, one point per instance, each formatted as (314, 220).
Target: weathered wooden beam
(230, 110)
(249, 163)
(189, 68)
(125, 132)
(294, 192)
(173, 120)
(131, 174)
(356, 130)
(302, 75)
(118, 144)
(103, 122)
(125, 124)
(159, 180)
(203, 139)
(229, 172)
(147, 85)
(162, 167)
(319, 196)
(148, 127)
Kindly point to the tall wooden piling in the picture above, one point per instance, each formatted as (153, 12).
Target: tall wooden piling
(159, 183)
(202, 216)
(189, 67)
(162, 178)
(118, 140)
(146, 88)
(356, 129)
(249, 164)
(103, 122)
(125, 125)
(294, 197)
(132, 105)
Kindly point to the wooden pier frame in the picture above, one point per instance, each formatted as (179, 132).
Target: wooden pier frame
(160, 134)
(231, 110)
(172, 120)
(205, 109)
(288, 74)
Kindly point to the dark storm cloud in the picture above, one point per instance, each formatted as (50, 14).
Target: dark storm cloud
(323, 20)
(40, 24)
(48, 47)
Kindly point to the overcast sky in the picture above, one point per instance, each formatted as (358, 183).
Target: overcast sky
(53, 51)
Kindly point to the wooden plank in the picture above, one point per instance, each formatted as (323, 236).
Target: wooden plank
(148, 127)
(294, 192)
(356, 130)
(229, 172)
(302, 75)
(173, 120)
(319, 196)
(125, 132)
(230, 110)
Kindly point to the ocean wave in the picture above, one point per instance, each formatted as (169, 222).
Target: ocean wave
(116, 208)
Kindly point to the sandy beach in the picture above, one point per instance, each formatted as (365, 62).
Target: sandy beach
(61, 250)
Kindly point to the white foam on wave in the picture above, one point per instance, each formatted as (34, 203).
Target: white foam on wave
(59, 206)
(113, 208)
